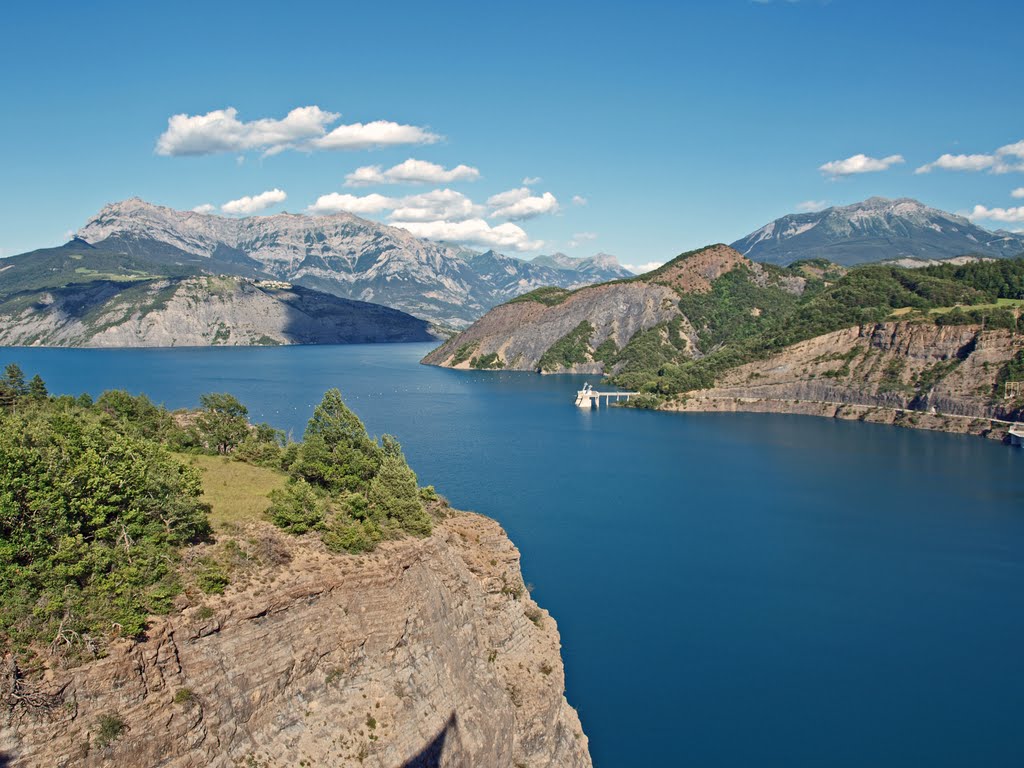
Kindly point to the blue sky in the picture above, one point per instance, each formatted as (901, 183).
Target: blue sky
(672, 124)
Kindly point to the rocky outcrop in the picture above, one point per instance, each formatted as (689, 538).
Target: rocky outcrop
(522, 331)
(919, 374)
(516, 336)
(428, 652)
(198, 311)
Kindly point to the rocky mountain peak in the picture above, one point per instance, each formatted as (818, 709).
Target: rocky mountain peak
(876, 229)
(694, 271)
(339, 253)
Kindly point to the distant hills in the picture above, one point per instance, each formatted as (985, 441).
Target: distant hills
(612, 326)
(81, 296)
(712, 330)
(876, 229)
(340, 254)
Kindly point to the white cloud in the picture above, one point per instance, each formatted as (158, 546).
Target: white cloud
(410, 172)
(508, 197)
(379, 133)
(520, 204)
(959, 163)
(529, 181)
(1018, 192)
(1016, 150)
(302, 128)
(335, 202)
(1000, 161)
(582, 237)
(248, 205)
(812, 205)
(859, 163)
(1007, 215)
(579, 200)
(639, 269)
(205, 208)
(222, 131)
(473, 232)
(436, 205)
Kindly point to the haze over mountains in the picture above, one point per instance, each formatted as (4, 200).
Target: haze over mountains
(876, 229)
(341, 254)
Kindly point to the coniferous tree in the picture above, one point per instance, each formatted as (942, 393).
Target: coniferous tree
(37, 388)
(336, 452)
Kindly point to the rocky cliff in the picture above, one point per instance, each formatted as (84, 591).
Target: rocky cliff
(916, 374)
(582, 331)
(519, 333)
(196, 311)
(341, 254)
(428, 652)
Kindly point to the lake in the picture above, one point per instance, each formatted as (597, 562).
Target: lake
(731, 589)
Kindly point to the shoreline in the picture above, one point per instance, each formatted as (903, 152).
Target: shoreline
(982, 426)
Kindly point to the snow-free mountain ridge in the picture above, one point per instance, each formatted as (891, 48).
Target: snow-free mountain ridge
(341, 254)
(876, 229)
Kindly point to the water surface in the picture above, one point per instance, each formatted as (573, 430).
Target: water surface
(732, 590)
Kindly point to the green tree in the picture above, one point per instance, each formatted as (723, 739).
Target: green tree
(37, 388)
(394, 495)
(296, 508)
(12, 386)
(91, 519)
(14, 378)
(223, 423)
(336, 452)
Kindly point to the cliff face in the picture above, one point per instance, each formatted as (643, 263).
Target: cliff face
(893, 372)
(521, 332)
(341, 254)
(517, 335)
(425, 653)
(197, 311)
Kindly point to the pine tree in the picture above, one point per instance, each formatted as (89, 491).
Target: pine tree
(394, 494)
(336, 452)
(37, 388)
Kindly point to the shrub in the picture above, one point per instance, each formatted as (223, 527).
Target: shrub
(184, 696)
(109, 728)
(296, 508)
(212, 578)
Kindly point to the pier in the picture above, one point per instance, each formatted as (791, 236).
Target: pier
(1017, 434)
(588, 397)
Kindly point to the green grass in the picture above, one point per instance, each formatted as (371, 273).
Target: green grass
(549, 296)
(236, 492)
(998, 304)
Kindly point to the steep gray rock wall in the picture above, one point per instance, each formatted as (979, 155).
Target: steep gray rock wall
(521, 332)
(424, 653)
(201, 311)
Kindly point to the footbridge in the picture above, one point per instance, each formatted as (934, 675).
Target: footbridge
(588, 397)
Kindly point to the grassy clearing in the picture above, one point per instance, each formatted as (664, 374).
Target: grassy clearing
(236, 492)
(998, 304)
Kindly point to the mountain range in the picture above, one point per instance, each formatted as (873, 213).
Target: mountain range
(341, 254)
(876, 229)
(77, 295)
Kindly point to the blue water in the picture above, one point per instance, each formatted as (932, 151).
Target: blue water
(731, 590)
